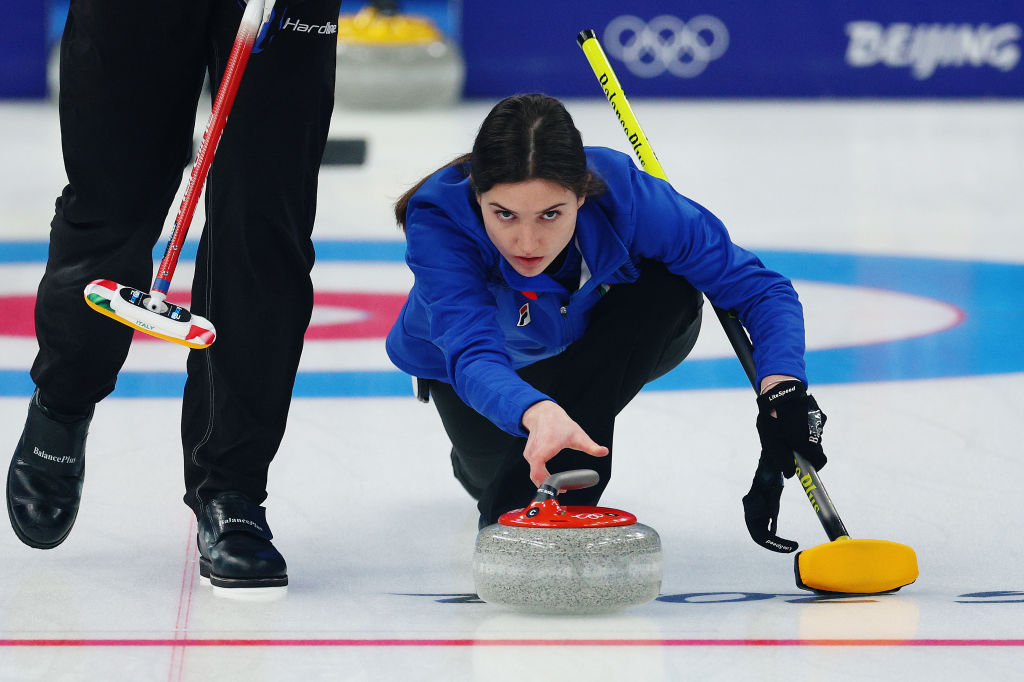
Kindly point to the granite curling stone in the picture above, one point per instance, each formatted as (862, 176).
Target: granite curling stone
(395, 61)
(552, 559)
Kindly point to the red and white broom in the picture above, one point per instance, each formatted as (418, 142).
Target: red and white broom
(151, 312)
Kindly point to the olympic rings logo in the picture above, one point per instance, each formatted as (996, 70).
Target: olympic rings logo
(666, 43)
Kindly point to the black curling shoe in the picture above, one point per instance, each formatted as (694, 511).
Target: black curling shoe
(234, 544)
(44, 483)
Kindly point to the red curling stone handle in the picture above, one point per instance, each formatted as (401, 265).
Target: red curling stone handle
(545, 512)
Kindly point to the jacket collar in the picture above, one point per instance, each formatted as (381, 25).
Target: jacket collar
(599, 243)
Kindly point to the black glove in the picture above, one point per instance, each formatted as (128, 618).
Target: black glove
(797, 426)
(761, 508)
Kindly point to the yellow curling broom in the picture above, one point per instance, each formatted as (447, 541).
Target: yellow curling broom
(844, 565)
(150, 312)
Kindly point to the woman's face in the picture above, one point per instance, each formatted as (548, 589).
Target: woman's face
(529, 222)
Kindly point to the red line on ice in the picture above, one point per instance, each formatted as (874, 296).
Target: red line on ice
(508, 642)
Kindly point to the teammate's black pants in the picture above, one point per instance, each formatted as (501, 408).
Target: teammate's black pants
(637, 333)
(131, 75)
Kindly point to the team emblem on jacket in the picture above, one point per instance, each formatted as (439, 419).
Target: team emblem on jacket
(524, 315)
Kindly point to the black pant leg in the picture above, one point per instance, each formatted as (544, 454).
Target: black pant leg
(478, 446)
(127, 103)
(253, 268)
(637, 333)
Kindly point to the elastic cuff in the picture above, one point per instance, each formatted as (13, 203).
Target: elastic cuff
(779, 394)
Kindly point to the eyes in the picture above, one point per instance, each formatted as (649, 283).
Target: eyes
(509, 216)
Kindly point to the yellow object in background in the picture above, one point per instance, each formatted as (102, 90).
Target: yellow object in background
(372, 27)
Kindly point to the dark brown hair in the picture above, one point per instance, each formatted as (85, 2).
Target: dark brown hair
(524, 137)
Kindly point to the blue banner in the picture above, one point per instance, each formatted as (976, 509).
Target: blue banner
(737, 48)
(23, 49)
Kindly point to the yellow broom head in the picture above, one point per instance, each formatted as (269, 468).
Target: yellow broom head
(856, 566)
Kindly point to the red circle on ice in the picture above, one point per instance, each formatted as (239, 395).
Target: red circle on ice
(336, 315)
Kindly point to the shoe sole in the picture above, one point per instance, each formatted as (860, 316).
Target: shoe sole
(21, 535)
(236, 583)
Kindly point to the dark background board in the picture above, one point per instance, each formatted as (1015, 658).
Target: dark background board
(705, 48)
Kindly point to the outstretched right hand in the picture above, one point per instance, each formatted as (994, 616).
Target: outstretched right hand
(551, 431)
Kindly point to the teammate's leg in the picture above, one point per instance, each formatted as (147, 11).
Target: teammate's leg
(253, 276)
(127, 102)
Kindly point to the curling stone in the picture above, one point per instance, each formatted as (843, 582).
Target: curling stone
(395, 61)
(567, 560)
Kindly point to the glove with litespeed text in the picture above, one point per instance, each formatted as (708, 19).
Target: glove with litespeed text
(796, 425)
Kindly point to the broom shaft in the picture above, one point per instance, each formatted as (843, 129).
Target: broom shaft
(809, 478)
(237, 60)
(806, 474)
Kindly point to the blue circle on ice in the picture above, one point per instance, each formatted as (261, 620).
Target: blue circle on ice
(982, 342)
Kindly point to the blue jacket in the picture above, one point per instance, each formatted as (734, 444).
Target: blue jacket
(459, 323)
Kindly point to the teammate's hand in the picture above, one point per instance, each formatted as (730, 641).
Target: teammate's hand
(761, 508)
(274, 17)
(790, 420)
(551, 431)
